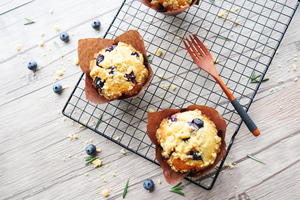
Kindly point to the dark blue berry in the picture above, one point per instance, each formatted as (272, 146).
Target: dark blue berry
(99, 59)
(32, 65)
(99, 83)
(149, 185)
(130, 77)
(173, 118)
(96, 24)
(112, 70)
(196, 155)
(112, 47)
(91, 149)
(135, 54)
(64, 36)
(198, 122)
(57, 88)
(161, 8)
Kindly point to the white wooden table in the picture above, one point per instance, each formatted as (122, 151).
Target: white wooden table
(38, 161)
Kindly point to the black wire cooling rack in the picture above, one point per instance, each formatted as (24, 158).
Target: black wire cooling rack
(242, 35)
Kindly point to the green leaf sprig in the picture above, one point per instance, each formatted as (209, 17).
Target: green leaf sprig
(89, 159)
(255, 78)
(177, 189)
(222, 37)
(28, 21)
(99, 121)
(125, 189)
(255, 158)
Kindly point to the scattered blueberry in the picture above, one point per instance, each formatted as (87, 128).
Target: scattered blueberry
(112, 47)
(173, 118)
(91, 149)
(32, 65)
(96, 24)
(196, 155)
(130, 77)
(135, 54)
(99, 83)
(64, 36)
(57, 88)
(198, 122)
(99, 59)
(149, 185)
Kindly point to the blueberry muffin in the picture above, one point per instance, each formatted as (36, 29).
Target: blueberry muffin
(118, 71)
(189, 141)
(168, 5)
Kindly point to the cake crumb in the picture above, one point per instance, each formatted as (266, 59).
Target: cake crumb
(159, 181)
(235, 186)
(229, 165)
(236, 9)
(60, 73)
(42, 34)
(159, 52)
(76, 61)
(98, 150)
(215, 60)
(161, 76)
(117, 138)
(73, 136)
(174, 87)
(296, 79)
(151, 110)
(57, 28)
(105, 192)
(223, 14)
(237, 23)
(41, 44)
(114, 174)
(104, 180)
(165, 86)
(18, 48)
(123, 151)
(81, 126)
(178, 38)
(66, 87)
(51, 11)
(97, 163)
(277, 52)
(294, 67)
(86, 174)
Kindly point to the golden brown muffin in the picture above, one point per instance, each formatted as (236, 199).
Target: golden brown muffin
(189, 141)
(118, 71)
(170, 4)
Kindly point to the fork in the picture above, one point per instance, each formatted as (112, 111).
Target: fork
(204, 60)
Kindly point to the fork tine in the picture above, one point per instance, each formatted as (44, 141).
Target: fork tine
(197, 46)
(193, 48)
(202, 45)
(190, 52)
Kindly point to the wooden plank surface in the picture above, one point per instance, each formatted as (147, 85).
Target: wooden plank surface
(40, 162)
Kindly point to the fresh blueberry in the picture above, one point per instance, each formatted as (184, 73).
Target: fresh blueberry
(131, 77)
(64, 36)
(149, 185)
(112, 47)
(32, 65)
(173, 118)
(99, 59)
(135, 54)
(57, 88)
(91, 149)
(196, 155)
(99, 83)
(96, 24)
(198, 122)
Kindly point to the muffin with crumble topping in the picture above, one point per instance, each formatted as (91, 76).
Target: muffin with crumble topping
(118, 71)
(189, 141)
(170, 7)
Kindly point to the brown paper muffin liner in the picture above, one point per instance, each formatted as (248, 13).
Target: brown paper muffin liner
(154, 120)
(169, 12)
(87, 48)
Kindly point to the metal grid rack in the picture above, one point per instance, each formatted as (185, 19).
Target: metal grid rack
(242, 35)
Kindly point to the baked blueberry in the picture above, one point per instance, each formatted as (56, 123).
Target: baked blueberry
(196, 155)
(64, 36)
(198, 122)
(99, 83)
(130, 77)
(91, 149)
(96, 24)
(99, 59)
(57, 88)
(149, 185)
(173, 118)
(111, 48)
(135, 54)
(112, 70)
(32, 65)
(161, 8)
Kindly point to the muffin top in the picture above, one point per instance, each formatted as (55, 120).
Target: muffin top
(118, 70)
(170, 4)
(189, 141)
